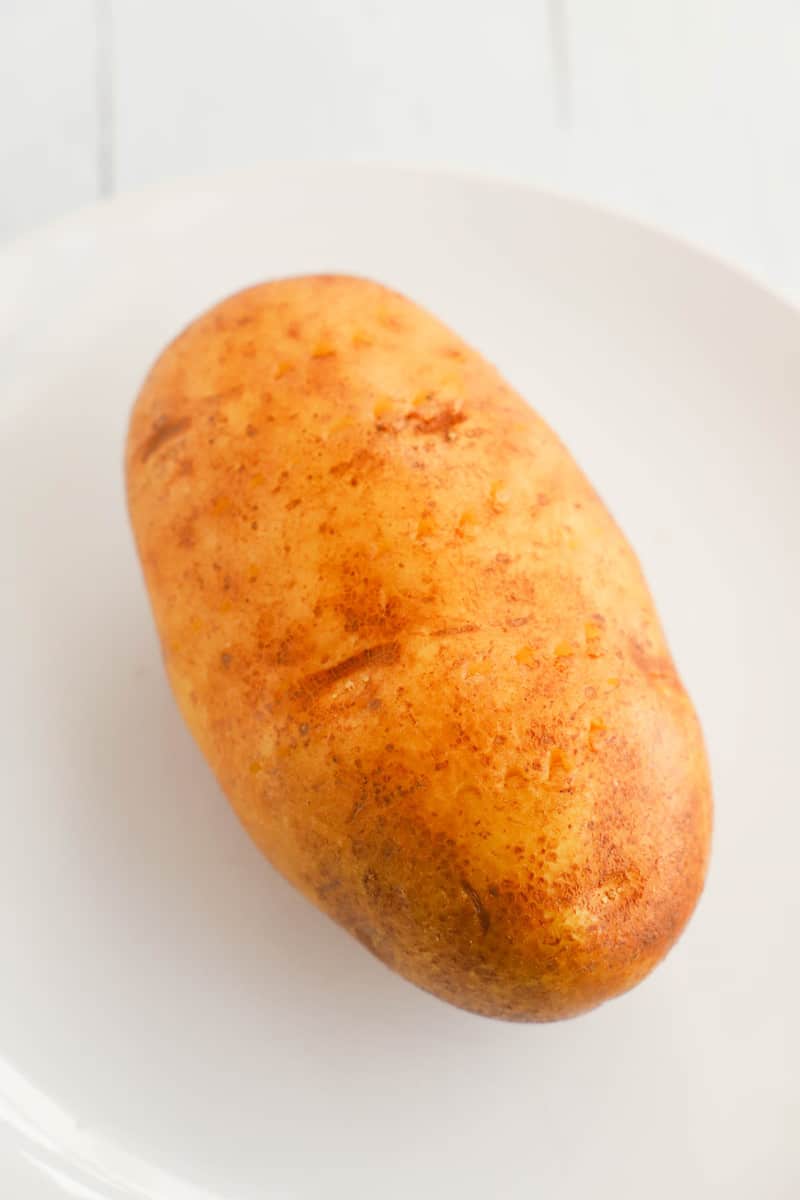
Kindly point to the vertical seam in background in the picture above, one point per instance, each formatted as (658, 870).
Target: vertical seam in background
(104, 97)
(558, 30)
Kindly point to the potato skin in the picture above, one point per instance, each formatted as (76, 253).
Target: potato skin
(416, 650)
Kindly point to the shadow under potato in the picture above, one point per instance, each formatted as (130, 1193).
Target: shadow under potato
(177, 868)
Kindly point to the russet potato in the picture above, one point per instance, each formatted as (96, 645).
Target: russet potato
(416, 650)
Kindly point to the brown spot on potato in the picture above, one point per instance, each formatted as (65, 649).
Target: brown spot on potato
(484, 919)
(657, 666)
(329, 886)
(164, 430)
(187, 537)
(361, 458)
(517, 622)
(385, 654)
(450, 630)
(443, 421)
(358, 806)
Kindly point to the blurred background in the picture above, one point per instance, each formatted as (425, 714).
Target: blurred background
(684, 113)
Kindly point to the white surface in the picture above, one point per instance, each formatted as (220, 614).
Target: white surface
(48, 112)
(680, 113)
(171, 1009)
(411, 81)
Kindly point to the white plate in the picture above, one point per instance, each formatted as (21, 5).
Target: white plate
(175, 1022)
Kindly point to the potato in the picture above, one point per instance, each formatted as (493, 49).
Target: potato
(416, 650)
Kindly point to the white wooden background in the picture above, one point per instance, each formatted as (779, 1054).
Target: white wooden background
(683, 112)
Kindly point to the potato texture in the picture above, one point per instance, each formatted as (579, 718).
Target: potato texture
(416, 650)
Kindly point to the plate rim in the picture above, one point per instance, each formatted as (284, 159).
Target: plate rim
(107, 210)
